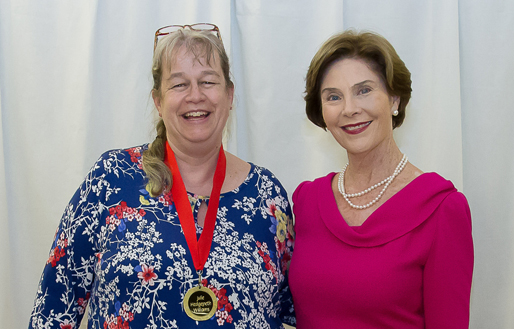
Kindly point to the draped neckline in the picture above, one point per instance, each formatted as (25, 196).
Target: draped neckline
(400, 214)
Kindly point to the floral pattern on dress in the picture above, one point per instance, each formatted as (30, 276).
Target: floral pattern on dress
(123, 252)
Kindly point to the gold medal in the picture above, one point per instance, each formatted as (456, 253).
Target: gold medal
(200, 303)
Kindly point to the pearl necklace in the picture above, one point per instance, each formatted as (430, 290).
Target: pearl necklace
(386, 182)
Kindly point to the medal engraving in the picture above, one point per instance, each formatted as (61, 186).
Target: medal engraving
(200, 303)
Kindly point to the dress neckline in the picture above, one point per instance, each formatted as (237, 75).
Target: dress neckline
(371, 215)
(235, 190)
(404, 211)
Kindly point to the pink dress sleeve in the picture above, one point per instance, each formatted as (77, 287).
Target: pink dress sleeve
(449, 268)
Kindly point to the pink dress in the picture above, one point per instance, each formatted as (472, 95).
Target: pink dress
(409, 265)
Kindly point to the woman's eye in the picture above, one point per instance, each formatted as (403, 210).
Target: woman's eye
(333, 98)
(364, 91)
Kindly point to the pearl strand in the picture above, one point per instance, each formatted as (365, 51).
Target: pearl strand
(353, 195)
(386, 181)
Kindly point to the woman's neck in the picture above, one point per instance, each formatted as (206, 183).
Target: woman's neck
(197, 165)
(366, 169)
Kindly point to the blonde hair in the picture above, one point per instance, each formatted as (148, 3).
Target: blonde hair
(203, 46)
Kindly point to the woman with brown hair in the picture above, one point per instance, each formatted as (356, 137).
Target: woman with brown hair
(388, 245)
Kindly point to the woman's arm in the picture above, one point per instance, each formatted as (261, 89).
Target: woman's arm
(449, 269)
(65, 285)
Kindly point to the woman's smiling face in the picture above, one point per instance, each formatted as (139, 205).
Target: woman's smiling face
(194, 101)
(356, 106)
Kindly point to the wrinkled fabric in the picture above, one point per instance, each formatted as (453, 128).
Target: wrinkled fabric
(408, 266)
(124, 253)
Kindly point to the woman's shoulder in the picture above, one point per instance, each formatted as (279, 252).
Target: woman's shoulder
(263, 182)
(119, 161)
(309, 188)
(455, 205)
(432, 191)
(237, 172)
(260, 174)
(135, 152)
(433, 181)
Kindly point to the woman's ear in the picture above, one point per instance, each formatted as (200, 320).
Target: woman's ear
(396, 103)
(231, 96)
(157, 101)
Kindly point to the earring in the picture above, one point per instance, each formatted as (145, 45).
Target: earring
(395, 112)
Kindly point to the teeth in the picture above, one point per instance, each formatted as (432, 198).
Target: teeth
(195, 114)
(357, 127)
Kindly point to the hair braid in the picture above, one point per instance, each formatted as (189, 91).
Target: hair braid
(158, 174)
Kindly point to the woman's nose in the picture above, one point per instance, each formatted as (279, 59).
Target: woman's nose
(351, 107)
(195, 93)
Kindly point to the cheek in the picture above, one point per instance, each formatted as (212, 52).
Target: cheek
(386, 121)
(371, 104)
(224, 101)
(329, 114)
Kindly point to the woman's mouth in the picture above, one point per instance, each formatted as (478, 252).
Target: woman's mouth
(356, 128)
(196, 115)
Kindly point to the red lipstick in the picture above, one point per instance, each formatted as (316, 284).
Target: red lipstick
(356, 128)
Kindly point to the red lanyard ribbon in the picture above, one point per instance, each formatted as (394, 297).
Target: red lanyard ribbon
(199, 249)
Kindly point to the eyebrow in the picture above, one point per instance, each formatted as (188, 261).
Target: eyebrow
(203, 74)
(329, 90)
(355, 86)
(360, 84)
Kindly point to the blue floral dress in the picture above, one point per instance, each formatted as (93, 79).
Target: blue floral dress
(123, 253)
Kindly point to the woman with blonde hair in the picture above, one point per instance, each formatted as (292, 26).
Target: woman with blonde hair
(178, 233)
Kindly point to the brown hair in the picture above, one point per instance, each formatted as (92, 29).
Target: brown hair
(204, 46)
(370, 47)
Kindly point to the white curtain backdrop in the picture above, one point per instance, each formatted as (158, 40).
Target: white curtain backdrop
(75, 81)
